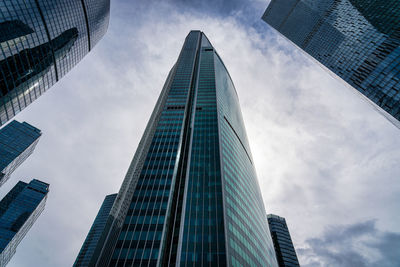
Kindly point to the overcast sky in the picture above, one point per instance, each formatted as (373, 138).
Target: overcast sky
(326, 160)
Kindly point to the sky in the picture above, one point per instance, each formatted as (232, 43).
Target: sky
(325, 159)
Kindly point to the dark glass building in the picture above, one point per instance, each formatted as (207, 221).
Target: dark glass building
(40, 41)
(86, 253)
(19, 209)
(357, 40)
(284, 249)
(17, 142)
(191, 195)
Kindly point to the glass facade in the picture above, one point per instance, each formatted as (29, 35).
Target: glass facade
(40, 41)
(284, 249)
(358, 40)
(86, 253)
(203, 235)
(17, 142)
(191, 196)
(19, 209)
(248, 235)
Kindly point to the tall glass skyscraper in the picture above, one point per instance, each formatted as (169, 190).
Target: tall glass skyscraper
(17, 142)
(358, 40)
(191, 195)
(284, 249)
(40, 41)
(19, 209)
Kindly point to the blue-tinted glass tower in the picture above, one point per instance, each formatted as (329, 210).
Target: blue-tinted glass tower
(284, 249)
(86, 253)
(19, 209)
(191, 195)
(40, 41)
(357, 40)
(17, 142)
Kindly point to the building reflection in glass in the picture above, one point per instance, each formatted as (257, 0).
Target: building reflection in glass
(41, 41)
(28, 66)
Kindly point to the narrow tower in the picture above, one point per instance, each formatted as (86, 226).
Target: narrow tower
(19, 210)
(17, 142)
(284, 249)
(87, 250)
(40, 41)
(191, 194)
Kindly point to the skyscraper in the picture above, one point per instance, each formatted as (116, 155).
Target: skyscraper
(17, 142)
(191, 194)
(40, 41)
(358, 40)
(284, 249)
(19, 209)
(86, 253)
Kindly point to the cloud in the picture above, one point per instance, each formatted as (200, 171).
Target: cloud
(360, 244)
(220, 7)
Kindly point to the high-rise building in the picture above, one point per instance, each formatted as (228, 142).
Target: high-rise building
(357, 40)
(40, 41)
(86, 253)
(17, 142)
(19, 209)
(191, 195)
(284, 249)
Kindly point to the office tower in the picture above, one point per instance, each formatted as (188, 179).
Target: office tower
(87, 250)
(357, 40)
(40, 41)
(17, 142)
(191, 194)
(284, 249)
(19, 209)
